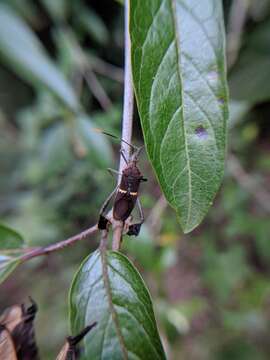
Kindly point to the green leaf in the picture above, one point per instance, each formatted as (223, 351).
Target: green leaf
(180, 84)
(9, 238)
(109, 290)
(7, 266)
(22, 51)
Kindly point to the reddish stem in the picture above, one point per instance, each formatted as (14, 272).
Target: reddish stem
(58, 246)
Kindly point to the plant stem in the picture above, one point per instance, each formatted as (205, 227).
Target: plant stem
(59, 245)
(128, 95)
(127, 121)
(103, 240)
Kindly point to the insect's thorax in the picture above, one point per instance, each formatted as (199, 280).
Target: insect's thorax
(131, 179)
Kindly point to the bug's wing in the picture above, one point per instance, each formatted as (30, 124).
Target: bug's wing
(123, 206)
(11, 317)
(103, 221)
(134, 229)
(7, 348)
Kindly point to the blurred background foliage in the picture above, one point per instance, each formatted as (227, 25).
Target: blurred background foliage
(61, 75)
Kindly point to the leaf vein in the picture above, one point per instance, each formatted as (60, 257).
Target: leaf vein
(141, 326)
(155, 80)
(207, 117)
(178, 54)
(195, 66)
(138, 299)
(200, 23)
(146, 37)
(110, 302)
(104, 336)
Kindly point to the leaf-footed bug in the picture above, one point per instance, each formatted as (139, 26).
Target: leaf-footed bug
(126, 193)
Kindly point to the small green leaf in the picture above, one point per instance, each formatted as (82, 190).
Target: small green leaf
(109, 290)
(7, 266)
(22, 51)
(9, 238)
(180, 84)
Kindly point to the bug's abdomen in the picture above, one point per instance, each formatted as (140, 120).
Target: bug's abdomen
(123, 206)
(127, 193)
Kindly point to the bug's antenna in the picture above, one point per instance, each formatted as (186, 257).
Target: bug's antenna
(116, 137)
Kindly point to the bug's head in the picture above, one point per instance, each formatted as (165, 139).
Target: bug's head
(135, 150)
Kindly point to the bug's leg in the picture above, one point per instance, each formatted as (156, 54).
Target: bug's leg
(134, 229)
(123, 156)
(140, 210)
(113, 172)
(103, 221)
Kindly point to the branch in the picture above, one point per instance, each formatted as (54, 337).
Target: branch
(103, 240)
(59, 245)
(128, 95)
(127, 121)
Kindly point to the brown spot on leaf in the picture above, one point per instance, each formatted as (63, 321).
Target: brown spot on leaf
(201, 132)
(221, 100)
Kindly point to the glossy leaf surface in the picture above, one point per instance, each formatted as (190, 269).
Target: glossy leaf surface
(180, 84)
(10, 244)
(109, 290)
(7, 265)
(9, 238)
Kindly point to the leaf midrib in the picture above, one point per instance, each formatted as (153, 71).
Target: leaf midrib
(178, 56)
(110, 302)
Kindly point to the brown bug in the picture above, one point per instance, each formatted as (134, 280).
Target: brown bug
(126, 193)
